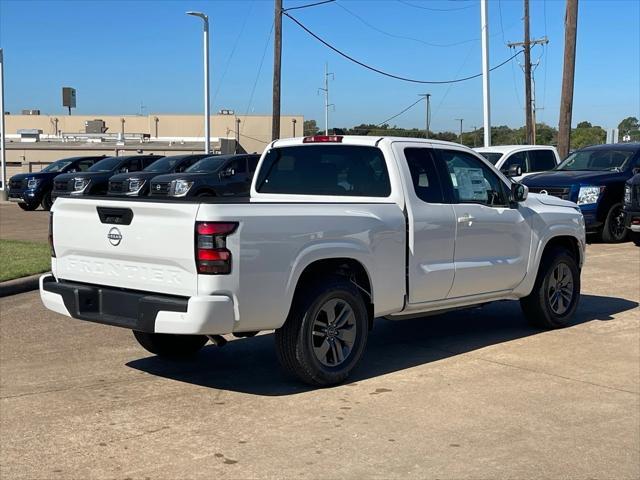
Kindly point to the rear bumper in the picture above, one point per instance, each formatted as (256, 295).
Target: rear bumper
(142, 311)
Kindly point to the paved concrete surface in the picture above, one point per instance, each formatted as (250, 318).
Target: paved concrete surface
(475, 394)
(16, 224)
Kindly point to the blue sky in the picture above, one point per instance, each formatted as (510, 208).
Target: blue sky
(118, 54)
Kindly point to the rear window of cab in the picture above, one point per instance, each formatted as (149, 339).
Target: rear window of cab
(337, 170)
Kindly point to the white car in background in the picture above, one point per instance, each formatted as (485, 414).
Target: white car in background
(518, 161)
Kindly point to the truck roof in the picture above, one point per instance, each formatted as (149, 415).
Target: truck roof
(361, 140)
(510, 148)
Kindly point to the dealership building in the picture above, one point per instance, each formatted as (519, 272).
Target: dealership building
(34, 140)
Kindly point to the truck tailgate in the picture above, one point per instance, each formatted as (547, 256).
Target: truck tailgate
(96, 242)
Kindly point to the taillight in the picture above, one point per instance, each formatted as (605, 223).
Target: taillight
(50, 236)
(323, 139)
(212, 255)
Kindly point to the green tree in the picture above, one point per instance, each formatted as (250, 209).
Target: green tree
(585, 136)
(630, 126)
(309, 127)
(584, 125)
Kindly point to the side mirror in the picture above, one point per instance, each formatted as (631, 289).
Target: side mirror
(519, 192)
(636, 170)
(229, 172)
(514, 171)
(124, 170)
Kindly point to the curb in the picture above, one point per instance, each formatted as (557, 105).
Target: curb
(20, 285)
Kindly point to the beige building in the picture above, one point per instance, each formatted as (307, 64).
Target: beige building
(59, 136)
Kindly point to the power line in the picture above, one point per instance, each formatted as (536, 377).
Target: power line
(390, 75)
(255, 83)
(233, 51)
(400, 113)
(308, 5)
(431, 9)
(403, 37)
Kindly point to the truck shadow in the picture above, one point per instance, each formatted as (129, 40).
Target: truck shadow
(250, 365)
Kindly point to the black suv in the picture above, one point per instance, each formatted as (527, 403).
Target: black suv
(33, 189)
(594, 178)
(216, 176)
(137, 184)
(95, 180)
(632, 207)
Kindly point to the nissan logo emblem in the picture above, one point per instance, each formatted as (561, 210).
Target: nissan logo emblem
(544, 192)
(114, 236)
(158, 186)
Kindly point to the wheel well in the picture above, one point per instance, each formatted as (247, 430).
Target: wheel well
(346, 267)
(567, 242)
(207, 191)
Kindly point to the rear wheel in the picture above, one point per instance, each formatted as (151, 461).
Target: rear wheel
(28, 207)
(614, 230)
(170, 345)
(325, 333)
(46, 201)
(556, 292)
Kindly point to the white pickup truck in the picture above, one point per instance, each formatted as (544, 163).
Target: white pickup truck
(336, 231)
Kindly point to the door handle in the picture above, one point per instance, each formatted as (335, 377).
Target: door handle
(466, 218)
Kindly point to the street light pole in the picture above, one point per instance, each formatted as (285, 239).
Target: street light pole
(207, 106)
(486, 96)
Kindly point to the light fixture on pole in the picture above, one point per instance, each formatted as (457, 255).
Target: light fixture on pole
(207, 114)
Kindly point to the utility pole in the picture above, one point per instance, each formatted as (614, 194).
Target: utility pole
(530, 128)
(486, 100)
(460, 120)
(327, 74)
(568, 71)
(427, 98)
(277, 59)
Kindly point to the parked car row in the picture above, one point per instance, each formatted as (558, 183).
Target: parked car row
(134, 176)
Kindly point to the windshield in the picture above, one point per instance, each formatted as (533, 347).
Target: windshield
(106, 165)
(56, 166)
(165, 164)
(209, 164)
(597, 160)
(493, 157)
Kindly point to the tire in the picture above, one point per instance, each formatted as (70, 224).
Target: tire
(614, 230)
(28, 207)
(47, 202)
(635, 238)
(311, 352)
(170, 345)
(543, 307)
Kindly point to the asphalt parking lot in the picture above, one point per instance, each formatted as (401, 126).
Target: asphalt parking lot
(469, 394)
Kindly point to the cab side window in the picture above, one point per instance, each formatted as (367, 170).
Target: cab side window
(518, 158)
(239, 165)
(253, 163)
(133, 165)
(541, 160)
(186, 164)
(424, 174)
(83, 165)
(146, 161)
(471, 180)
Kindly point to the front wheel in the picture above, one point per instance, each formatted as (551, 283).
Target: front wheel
(28, 207)
(47, 202)
(325, 333)
(170, 345)
(614, 230)
(556, 292)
